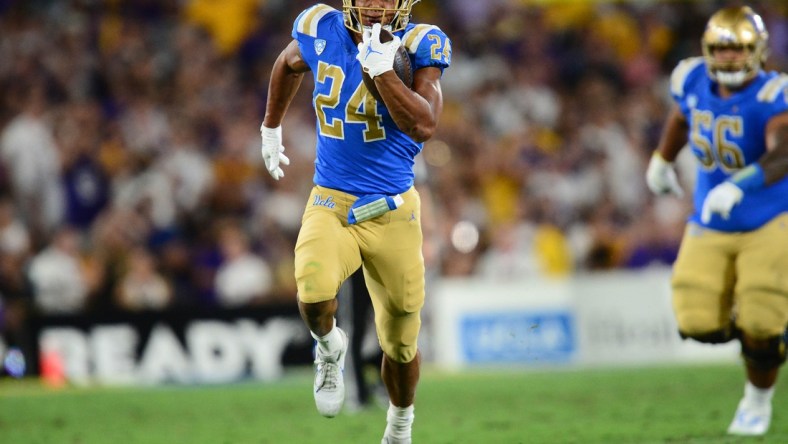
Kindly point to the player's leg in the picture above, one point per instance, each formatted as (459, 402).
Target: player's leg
(401, 379)
(325, 255)
(353, 312)
(394, 274)
(762, 314)
(702, 286)
(400, 367)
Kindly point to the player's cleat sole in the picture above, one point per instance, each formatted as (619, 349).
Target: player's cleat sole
(751, 420)
(329, 386)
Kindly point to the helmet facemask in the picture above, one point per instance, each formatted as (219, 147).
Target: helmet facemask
(399, 16)
(739, 28)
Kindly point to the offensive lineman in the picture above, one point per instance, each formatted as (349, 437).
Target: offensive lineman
(730, 281)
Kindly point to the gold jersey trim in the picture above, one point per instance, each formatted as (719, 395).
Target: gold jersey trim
(412, 38)
(680, 73)
(771, 89)
(310, 19)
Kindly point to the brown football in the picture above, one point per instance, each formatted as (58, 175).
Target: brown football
(401, 67)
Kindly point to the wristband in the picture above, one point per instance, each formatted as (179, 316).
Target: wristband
(750, 178)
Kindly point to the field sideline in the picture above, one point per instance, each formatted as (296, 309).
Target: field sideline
(686, 404)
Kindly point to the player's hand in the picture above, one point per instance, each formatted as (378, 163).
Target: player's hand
(273, 151)
(376, 57)
(721, 199)
(661, 177)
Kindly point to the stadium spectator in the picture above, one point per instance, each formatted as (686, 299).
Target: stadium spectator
(142, 287)
(56, 274)
(85, 181)
(243, 277)
(32, 160)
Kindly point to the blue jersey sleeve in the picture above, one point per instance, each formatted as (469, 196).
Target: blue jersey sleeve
(683, 79)
(307, 27)
(428, 46)
(773, 95)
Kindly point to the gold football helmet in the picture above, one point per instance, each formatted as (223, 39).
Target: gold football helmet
(399, 16)
(735, 27)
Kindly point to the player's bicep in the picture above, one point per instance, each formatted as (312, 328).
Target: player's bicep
(777, 133)
(426, 83)
(775, 162)
(292, 59)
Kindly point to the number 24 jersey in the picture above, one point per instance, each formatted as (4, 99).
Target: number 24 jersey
(360, 149)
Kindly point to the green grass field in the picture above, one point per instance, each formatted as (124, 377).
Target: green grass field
(688, 404)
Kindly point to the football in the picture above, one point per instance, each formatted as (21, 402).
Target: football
(402, 67)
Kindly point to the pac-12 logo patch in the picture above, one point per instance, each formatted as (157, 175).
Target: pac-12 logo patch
(320, 45)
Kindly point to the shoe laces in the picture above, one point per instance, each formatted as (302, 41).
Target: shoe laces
(327, 376)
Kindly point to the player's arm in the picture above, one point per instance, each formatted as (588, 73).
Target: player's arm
(775, 162)
(286, 76)
(674, 135)
(415, 111)
(660, 176)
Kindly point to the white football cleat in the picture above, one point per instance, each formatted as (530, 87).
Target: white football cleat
(329, 381)
(751, 419)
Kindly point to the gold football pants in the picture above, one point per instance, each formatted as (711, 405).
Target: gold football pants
(388, 247)
(719, 274)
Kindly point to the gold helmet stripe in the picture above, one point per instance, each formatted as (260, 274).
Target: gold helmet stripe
(769, 92)
(413, 37)
(679, 75)
(309, 20)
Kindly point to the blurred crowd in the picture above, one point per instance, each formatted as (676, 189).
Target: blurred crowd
(131, 175)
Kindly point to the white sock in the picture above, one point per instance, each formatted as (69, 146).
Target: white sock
(757, 395)
(330, 343)
(399, 421)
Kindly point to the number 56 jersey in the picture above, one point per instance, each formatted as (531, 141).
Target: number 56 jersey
(360, 149)
(726, 135)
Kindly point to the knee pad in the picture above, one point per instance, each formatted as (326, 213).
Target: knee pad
(715, 337)
(772, 356)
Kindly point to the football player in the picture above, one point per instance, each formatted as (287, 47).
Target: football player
(363, 210)
(730, 280)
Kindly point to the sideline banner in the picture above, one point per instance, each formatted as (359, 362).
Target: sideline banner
(482, 322)
(616, 318)
(182, 347)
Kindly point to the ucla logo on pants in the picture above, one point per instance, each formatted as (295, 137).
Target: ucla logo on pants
(328, 202)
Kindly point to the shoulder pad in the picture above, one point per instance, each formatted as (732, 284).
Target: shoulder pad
(772, 89)
(307, 21)
(413, 37)
(680, 73)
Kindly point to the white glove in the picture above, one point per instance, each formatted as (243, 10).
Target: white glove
(273, 151)
(721, 200)
(661, 177)
(376, 57)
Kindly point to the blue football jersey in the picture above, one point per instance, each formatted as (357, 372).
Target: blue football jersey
(728, 134)
(360, 150)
